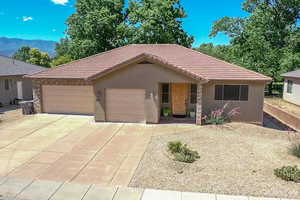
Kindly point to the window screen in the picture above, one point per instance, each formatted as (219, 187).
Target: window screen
(231, 92)
(219, 92)
(244, 92)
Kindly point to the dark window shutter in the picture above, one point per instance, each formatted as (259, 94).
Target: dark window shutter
(219, 92)
(244, 92)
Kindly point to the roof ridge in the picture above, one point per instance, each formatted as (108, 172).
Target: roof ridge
(234, 65)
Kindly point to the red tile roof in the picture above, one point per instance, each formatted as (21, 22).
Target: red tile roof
(182, 59)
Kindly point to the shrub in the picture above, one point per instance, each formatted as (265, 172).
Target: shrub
(182, 153)
(288, 173)
(166, 112)
(296, 150)
(220, 116)
(175, 146)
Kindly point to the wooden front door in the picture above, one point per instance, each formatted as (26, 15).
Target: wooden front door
(179, 98)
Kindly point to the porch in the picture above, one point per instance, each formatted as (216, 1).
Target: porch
(180, 102)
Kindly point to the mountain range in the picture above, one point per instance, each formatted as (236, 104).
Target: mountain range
(8, 46)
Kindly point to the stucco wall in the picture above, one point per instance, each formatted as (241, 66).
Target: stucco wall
(27, 89)
(294, 97)
(6, 96)
(251, 110)
(138, 76)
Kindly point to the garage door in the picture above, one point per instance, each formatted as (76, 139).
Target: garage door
(68, 99)
(125, 105)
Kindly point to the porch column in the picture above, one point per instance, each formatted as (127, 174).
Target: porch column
(199, 105)
(36, 88)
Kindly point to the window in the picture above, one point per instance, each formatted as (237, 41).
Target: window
(231, 92)
(165, 93)
(289, 86)
(6, 84)
(193, 96)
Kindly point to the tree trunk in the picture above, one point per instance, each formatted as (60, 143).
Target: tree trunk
(270, 89)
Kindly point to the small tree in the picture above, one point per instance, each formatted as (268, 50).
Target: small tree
(22, 54)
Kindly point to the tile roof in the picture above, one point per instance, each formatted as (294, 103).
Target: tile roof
(11, 67)
(293, 74)
(187, 60)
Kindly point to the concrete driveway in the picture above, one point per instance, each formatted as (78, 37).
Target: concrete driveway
(75, 149)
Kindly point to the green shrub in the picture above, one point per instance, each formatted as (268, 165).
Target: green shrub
(175, 146)
(166, 112)
(296, 150)
(182, 153)
(288, 173)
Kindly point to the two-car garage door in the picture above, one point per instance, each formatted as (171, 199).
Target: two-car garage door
(125, 105)
(121, 105)
(68, 99)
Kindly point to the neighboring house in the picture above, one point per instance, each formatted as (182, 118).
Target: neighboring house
(133, 83)
(13, 86)
(291, 89)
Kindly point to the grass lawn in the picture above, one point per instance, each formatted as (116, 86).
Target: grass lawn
(284, 105)
(236, 159)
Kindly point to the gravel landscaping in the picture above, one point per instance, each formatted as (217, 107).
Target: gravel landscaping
(236, 159)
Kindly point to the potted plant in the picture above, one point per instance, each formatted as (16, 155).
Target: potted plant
(192, 113)
(166, 112)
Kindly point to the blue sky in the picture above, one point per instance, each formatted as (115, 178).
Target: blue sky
(45, 19)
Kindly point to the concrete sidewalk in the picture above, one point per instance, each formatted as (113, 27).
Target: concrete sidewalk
(28, 189)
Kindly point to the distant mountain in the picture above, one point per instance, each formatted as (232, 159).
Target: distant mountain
(8, 46)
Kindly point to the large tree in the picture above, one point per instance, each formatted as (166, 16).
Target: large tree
(156, 21)
(101, 25)
(264, 41)
(96, 26)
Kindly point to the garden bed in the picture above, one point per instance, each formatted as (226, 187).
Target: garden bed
(236, 159)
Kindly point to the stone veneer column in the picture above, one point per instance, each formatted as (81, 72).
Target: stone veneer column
(36, 88)
(199, 105)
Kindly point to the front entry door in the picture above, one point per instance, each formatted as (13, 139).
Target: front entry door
(179, 98)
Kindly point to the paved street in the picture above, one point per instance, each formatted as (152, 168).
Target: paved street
(28, 189)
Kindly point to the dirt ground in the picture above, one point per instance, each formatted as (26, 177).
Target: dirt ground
(236, 159)
(286, 106)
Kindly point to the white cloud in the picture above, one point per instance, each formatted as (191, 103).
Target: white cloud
(25, 18)
(60, 2)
